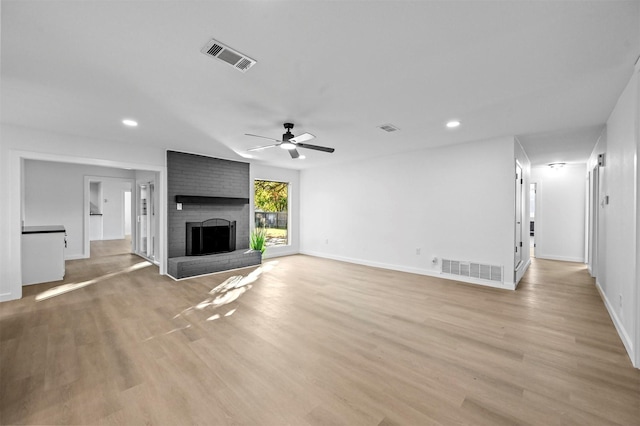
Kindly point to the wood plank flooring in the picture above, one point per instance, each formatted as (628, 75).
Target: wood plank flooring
(309, 341)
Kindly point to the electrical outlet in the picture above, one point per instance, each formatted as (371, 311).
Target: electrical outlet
(418, 250)
(434, 260)
(620, 300)
(326, 241)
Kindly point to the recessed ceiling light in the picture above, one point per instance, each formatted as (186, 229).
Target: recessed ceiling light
(129, 122)
(302, 157)
(452, 124)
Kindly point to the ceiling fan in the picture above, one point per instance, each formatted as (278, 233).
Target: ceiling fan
(290, 143)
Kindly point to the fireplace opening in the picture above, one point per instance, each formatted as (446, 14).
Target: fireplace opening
(210, 236)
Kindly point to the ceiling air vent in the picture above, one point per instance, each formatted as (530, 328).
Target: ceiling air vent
(388, 128)
(226, 54)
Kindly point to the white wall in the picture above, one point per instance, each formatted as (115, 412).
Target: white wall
(54, 195)
(637, 280)
(128, 196)
(455, 202)
(560, 220)
(618, 233)
(113, 207)
(258, 171)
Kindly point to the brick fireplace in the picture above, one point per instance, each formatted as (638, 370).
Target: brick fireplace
(201, 188)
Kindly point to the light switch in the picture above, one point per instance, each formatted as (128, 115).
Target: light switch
(179, 206)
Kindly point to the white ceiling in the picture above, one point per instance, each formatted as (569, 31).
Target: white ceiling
(549, 72)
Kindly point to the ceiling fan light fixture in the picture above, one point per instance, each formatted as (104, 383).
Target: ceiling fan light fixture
(291, 143)
(557, 165)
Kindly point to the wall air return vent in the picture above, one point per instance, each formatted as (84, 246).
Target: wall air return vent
(472, 270)
(237, 60)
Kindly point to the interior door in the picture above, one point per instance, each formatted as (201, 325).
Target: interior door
(146, 220)
(142, 223)
(518, 218)
(151, 221)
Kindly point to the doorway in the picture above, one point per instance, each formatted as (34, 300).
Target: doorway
(11, 267)
(105, 210)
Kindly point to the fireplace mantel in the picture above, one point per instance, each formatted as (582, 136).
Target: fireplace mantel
(199, 199)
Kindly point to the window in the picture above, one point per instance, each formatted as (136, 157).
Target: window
(271, 201)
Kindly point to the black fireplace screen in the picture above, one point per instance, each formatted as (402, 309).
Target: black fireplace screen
(211, 236)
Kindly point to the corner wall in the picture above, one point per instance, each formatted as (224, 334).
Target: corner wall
(401, 211)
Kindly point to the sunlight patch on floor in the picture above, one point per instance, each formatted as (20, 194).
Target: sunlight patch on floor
(66, 288)
(229, 291)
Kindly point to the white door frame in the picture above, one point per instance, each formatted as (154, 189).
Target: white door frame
(519, 214)
(594, 206)
(535, 218)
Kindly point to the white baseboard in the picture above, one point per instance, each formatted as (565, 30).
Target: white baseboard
(412, 270)
(75, 257)
(269, 254)
(624, 336)
(562, 258)
(5, 297)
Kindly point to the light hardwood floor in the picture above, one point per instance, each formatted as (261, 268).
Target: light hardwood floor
(309, 341)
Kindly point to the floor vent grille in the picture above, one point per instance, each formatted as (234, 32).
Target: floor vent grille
(472, 270)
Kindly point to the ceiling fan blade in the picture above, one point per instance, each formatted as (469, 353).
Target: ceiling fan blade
(263, 137)
(294, 153)
(302, 138)
(260, 148)
(316, 147)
